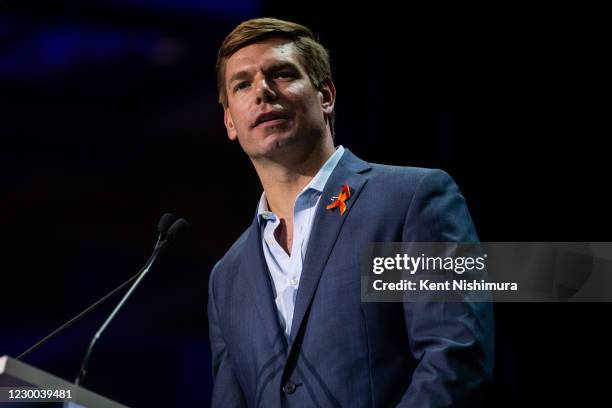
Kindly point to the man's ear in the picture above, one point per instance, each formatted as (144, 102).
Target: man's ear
(328, 96)
(229, 124)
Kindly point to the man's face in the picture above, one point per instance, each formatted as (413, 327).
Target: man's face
(266, 78)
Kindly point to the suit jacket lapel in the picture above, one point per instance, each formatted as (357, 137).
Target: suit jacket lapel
(325, 230)
(253, 266)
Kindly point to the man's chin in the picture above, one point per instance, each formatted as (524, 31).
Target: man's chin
(273, 145)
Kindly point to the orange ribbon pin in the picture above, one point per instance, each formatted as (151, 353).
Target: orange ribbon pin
(344, 195)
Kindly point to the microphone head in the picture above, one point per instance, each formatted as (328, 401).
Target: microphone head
(177, 226)
(165, 222)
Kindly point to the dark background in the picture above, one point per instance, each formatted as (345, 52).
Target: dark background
(108, 118)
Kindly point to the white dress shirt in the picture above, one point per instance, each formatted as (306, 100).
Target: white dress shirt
(286, 269)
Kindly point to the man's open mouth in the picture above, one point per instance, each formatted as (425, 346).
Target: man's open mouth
(272, 118)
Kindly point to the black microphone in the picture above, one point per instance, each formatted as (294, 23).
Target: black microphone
(165, 223)
(168, 229)
(176, 227)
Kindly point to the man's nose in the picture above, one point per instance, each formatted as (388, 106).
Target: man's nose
(264, 91)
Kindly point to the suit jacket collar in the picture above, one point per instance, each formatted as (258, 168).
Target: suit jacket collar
(325, 230)
(253, 266)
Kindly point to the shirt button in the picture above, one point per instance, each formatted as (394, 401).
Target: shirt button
(289, 388)
(293, 282)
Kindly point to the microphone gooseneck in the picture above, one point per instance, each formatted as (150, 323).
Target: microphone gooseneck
(168, 228)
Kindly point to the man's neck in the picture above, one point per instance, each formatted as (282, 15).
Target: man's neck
(283, 181)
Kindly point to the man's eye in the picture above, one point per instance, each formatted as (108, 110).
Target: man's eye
(284, 74)
(240, 86)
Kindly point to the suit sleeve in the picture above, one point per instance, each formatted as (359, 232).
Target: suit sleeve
(452, 341)
(226, 388)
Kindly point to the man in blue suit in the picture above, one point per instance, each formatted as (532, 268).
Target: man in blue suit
(287, 325)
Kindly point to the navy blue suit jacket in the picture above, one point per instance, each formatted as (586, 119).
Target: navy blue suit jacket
(342, 352)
